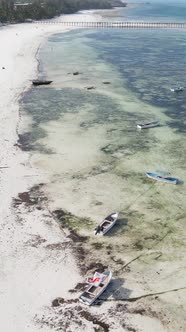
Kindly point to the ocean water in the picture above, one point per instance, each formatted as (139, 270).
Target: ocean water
(83, 134)
(156, 10)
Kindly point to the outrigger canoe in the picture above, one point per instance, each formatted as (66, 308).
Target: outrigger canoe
(96, 286)
(158, 177)
(106, 224)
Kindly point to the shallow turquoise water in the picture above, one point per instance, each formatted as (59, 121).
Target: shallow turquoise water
(157, 10)
(86, 140)
(147, 63)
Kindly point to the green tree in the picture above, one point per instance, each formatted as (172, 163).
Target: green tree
(42, 9)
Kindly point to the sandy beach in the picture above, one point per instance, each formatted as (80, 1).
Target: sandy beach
(26, 271)
(41, 262)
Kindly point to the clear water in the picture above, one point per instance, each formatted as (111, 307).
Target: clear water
(157, 10)
(86, 140)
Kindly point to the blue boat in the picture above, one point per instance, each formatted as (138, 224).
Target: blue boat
(158, 177)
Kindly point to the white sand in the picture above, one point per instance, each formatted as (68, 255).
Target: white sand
(31, 275)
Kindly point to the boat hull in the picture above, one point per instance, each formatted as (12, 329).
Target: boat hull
(177, 89)
(157, 177)
(88, 301)
(41, 82)
(109, 224)
(148, 125)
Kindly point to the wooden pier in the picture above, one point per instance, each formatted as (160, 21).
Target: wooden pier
(118, 24)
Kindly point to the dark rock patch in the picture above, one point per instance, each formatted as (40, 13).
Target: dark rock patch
(57, 302)
(79, 287)
(75, 237)
(97, 245)
(96, 266)
(94, 320)
(59, 214)
(32, 197)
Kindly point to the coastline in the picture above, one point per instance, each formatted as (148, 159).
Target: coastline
(33, 245)
(33, 269)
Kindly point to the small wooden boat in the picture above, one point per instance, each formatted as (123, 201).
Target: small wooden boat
(158, 177)
(177, 89)
(106, 224)
(41, 82)
(96, 286)
(148, 124)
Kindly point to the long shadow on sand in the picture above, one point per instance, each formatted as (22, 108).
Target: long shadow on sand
(120, 226)
(115, 291)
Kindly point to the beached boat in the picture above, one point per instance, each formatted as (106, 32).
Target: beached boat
(158, 177)
(148, 124)
(41, 82)
(106, 224)
(177, 89)
(96, 286)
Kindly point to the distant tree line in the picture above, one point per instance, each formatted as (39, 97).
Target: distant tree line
(21, 10)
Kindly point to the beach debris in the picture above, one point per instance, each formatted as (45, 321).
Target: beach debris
(31, 197)
(75, 73)
(106, 82)
(3, 67)
(57, 302)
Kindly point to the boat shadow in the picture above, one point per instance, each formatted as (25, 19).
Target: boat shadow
(120, 225)
(180, 182)
(115, 291)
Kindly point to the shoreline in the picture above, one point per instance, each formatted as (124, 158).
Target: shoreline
(29, 280)
(38, 259)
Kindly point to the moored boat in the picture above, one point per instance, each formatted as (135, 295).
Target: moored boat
(158, 177)
(177, 89)
(96, 286)
(41, 82)
(106, 224)
(148, 124)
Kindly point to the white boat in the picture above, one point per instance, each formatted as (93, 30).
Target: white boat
(177, 89)
(158, 177)
(106, 224)
(148, 124)
(96, 286)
